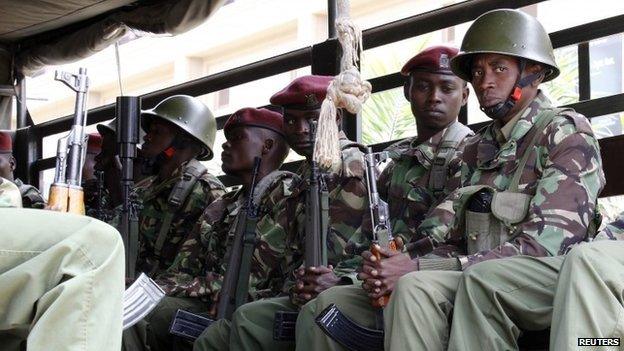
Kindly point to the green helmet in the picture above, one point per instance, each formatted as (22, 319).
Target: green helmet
(191, 115)
(506, 32)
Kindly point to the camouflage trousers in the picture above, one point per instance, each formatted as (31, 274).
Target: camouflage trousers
(251, 328)
(152, 333)
(61, 282)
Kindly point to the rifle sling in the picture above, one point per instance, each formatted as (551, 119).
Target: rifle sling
(249, 237)
(192, 172)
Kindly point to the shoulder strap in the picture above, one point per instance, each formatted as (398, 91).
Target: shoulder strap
(267, 181)
(181, 190)
(546, 118)
(453, 137)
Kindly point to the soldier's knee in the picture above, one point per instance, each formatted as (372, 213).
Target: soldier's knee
(584, 253)
(487, 270)
(409, 282)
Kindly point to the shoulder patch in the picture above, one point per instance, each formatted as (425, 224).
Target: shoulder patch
(581, 123)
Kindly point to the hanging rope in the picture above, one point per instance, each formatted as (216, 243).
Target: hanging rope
(347, 91)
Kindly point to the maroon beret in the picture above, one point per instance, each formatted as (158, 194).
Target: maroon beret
(435, 59)
(94, 145)
(303, 93)
(6, 143)
(256, 117)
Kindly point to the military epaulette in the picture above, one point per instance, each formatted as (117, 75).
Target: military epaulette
(396, 149)
(581, 122)
(352, 160)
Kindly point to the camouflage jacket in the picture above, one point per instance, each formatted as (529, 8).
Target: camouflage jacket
(200, 265)
(348, 215)
(97, 201)
(613, 230)
(31, 196)
(404, 183)
(563, 175)
(153, 195)
(9, 194)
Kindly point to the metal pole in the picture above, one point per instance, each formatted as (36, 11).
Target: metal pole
(332, 10)
(22, 120)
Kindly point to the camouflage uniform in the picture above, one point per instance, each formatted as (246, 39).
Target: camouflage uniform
(404, 184)
(153, 196)
(252, 323)
(61, 280)
(200, 264)
(563, 177)
(31, 196)
(97, 202)
(153, 203)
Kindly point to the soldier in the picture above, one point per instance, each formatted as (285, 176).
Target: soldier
(419, 176)
(61, 279)
(530, 185)
(194, 282)
(252, 323)
(31, 196)
(180, 132)
(574, 292)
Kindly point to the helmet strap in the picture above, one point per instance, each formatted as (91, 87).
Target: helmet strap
(501, 109)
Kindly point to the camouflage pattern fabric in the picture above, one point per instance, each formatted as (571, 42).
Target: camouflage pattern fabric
(563, 175)
(404, 183)
(613, 230)
(31, 196)
(200, 265)
(93, 199)
(349, 215)
(9, 194)
(153, 195)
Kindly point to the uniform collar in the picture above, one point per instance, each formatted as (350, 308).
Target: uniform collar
(493, 150)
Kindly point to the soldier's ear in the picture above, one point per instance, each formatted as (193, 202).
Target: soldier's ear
(13, 163)
(268, 146)
(406, 87)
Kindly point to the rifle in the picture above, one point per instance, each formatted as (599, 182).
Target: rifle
(66, 194)
(332, 321)
(127, 112)
(316, 214)
(140, 299)
(317, 225)
(380, 217)
(236, 281)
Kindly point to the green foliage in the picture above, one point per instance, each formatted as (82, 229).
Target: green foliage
(386, 115)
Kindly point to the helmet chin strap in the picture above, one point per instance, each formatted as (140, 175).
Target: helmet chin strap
(501, 109)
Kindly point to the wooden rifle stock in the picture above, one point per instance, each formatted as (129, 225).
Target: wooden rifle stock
(66, 194)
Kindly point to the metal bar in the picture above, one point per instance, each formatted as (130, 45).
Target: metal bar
(583, 71)
(332, 10)
(240, 75)
(588, 31)
(22, 117)
(436, 19)
(7, 90)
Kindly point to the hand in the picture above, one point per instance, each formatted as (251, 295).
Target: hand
(380, 275)
(311, 281)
